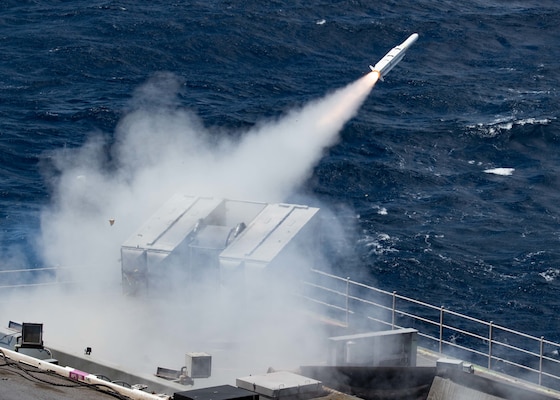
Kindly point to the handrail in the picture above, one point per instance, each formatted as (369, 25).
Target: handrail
(361, 299)
(436, 325)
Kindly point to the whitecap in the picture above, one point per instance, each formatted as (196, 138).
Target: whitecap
(550, 274)
(501, 124)
(533, 121)
(380, 210)
(378, 244)
(500, 171)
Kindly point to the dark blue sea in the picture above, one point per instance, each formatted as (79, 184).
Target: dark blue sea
(445, 182)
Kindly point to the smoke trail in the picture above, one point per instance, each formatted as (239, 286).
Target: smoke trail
(278, 156)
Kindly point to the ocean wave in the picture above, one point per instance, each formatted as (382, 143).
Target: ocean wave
(551, 274)
(377, 244)
(504, 124)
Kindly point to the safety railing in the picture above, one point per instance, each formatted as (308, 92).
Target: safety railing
(14, 281)
(28, 277)
(353, 304)
(356, 305)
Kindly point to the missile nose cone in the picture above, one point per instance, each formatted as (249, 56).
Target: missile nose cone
(411, 39)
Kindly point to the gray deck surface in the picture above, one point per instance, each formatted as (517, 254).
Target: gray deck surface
(22, 382)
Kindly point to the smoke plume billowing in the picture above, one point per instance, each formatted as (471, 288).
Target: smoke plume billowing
(103, 191)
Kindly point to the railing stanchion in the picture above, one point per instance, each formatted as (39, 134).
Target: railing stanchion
(347, 300)
(490, 338)
(441, 312)
(393, 310)
(541, 360)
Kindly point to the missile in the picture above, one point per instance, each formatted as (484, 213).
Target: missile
(393, 57)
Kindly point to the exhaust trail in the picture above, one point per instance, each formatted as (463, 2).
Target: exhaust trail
(347, 101)
(286, 150)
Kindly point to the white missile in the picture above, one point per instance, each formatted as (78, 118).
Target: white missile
(393, 57)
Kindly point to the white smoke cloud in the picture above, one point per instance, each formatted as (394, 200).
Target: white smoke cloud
(161, 148)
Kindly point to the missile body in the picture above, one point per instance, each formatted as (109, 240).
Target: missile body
(393, 57)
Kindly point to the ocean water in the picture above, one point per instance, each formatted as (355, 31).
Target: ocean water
(446, 179)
